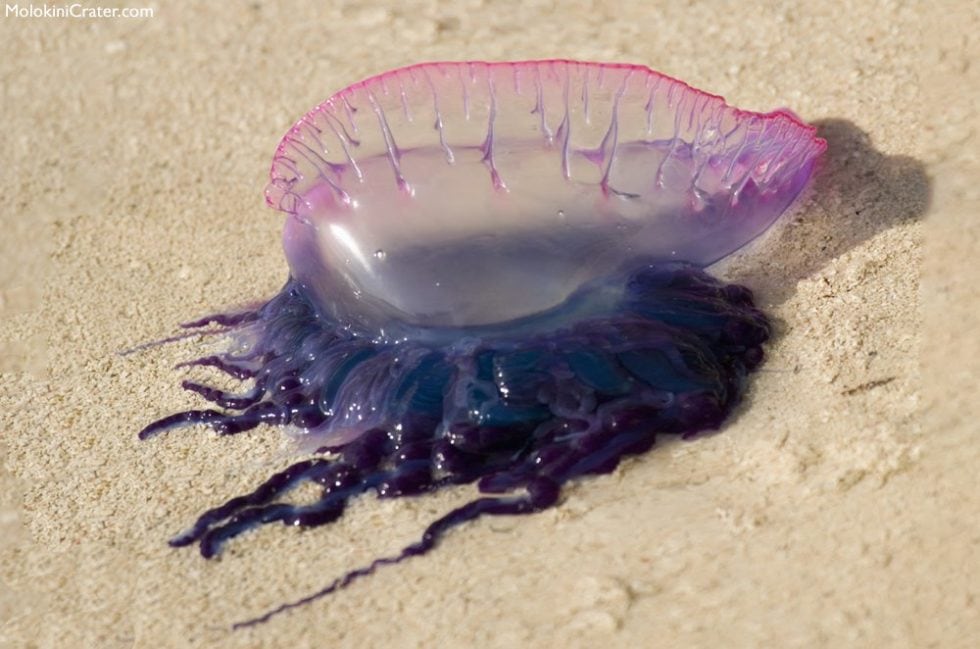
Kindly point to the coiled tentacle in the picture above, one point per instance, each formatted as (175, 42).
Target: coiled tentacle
(569, 395)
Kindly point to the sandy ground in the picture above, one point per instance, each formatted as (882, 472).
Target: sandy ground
(840, 508)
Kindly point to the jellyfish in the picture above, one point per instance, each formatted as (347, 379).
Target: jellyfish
(496, 276)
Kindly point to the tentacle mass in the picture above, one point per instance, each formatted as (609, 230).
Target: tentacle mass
(663, 348)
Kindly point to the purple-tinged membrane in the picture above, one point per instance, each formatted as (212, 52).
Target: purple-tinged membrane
(496, 277)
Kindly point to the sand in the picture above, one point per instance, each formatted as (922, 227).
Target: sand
(839, 508)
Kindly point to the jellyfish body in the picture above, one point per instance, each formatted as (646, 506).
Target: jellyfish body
(496, 276)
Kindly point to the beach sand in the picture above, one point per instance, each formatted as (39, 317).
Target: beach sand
(839, 508)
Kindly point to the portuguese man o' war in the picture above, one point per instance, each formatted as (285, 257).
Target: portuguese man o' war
(496, 276)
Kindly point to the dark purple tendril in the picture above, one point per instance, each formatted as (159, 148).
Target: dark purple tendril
(519, 409)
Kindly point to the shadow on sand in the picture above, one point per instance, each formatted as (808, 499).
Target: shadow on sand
(858, 192)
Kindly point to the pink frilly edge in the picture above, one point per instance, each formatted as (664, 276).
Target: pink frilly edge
(779, 114)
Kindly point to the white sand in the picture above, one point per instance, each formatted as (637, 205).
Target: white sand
(840, 508)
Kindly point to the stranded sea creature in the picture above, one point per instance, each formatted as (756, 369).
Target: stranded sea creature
(495, 276)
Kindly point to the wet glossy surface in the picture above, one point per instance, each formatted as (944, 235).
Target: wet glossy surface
(461, 194)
